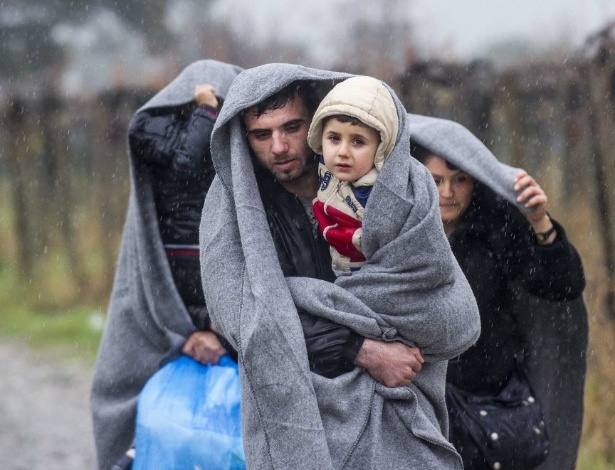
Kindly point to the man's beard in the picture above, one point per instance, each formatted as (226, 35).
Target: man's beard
(307, 165)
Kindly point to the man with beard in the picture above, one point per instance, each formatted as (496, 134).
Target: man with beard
(275, 296)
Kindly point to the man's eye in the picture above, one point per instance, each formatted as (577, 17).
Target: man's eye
(292, 128)
(264, 135)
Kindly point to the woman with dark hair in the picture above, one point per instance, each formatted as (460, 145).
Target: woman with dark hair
(506, 243)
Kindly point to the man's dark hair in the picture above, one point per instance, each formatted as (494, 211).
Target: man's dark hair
(304, 89)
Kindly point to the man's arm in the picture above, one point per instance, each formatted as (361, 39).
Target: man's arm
(335, 349)
(380, 362)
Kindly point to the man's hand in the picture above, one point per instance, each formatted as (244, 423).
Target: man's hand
(204, 347)
(392, 364)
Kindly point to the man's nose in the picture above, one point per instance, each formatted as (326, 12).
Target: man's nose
(279, 142)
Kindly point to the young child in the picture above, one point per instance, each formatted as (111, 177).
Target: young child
(354, 129)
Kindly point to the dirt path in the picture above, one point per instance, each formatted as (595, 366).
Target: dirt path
(44, 411)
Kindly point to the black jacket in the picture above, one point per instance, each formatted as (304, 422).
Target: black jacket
(332, 348)
(494, 245)
(174, 142)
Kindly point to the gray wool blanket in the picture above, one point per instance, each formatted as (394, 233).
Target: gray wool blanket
(146, 316)
(411, 289)
(556, 332)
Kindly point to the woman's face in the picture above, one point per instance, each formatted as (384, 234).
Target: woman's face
(455, 188)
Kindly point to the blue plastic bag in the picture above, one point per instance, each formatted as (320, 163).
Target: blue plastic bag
(188, 417)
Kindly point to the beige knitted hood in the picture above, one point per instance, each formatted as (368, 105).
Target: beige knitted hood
(366, 99)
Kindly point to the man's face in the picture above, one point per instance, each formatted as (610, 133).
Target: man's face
(278, 137)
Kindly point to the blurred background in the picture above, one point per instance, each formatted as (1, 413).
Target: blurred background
(534, 80)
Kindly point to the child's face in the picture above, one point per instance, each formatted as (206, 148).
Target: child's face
(348, 150)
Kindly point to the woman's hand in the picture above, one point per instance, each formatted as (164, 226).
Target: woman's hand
(532, 196)
(204, 94)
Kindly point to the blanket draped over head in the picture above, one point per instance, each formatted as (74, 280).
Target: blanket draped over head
(555, 332)
(146, 316)
(411, 289)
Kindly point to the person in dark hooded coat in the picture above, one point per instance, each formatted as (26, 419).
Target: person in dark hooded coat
(157, 309)
(511, 250)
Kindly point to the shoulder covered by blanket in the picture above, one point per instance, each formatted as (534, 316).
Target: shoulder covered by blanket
(410, 289)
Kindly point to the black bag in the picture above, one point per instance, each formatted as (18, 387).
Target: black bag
(506, 431)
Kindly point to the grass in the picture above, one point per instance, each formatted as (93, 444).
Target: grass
(597, 449)
(44, 311)
(75, 331)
